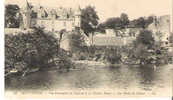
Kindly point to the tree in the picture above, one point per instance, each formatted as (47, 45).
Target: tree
(116, 22)
(77, 42)
(145, 37)
(149, 20)
(124, 20)
(101, 28)
(142, 22)
(143, 43)
(89, 20)
(11, 19)
(36, 49)
(113, 23)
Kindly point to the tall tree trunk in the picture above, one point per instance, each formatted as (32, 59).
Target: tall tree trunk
(92, 37)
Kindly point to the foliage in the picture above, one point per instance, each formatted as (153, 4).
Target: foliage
(142, 22)
(115, 22)
(141, 53)
(11, 18)
(124, 20)
(112, 55)
(77, 43)
(101, 28)
(145, 37)
(146, 50)
(35, 49)
(89, 20)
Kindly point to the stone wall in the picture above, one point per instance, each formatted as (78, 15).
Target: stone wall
(116, 37)
(127, 32)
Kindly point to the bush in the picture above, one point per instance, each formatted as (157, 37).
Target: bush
(77, 43)
(36, 49)
(146, 38)
(112, 55)
(147, 50)
(143, 43)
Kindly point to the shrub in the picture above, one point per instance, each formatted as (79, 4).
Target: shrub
(147, 50)
(142, 44)
(145, 37)
(36, 49)
(77, 43)
(112, 55)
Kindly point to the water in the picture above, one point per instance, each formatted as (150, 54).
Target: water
(121, 78)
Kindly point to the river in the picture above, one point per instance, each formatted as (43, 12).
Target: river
(119, 78)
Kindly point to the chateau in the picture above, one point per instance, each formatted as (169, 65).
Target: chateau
(57, 19)
(52, 19)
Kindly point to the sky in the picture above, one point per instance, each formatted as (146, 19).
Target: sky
(110, 8)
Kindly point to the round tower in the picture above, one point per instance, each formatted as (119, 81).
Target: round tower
(26, 15)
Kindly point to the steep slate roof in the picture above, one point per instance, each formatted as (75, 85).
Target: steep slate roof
(60, 12)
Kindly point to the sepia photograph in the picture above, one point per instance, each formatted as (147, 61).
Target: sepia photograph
(88, 48)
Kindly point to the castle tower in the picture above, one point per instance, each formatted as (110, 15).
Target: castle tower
(26, 14)
(78, 17)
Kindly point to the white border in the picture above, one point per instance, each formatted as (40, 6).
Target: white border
(2, 65)
(2, 50)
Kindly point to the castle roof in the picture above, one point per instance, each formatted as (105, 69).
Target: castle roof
(60, 11)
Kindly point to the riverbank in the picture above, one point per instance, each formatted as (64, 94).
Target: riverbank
(101, 64)
(86, 64)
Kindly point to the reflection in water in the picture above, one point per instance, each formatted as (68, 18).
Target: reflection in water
(123, 77)
(147, 77)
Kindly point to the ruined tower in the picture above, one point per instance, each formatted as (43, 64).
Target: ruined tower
(26, 14)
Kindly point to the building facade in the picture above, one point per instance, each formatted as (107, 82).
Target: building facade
(52, 19)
